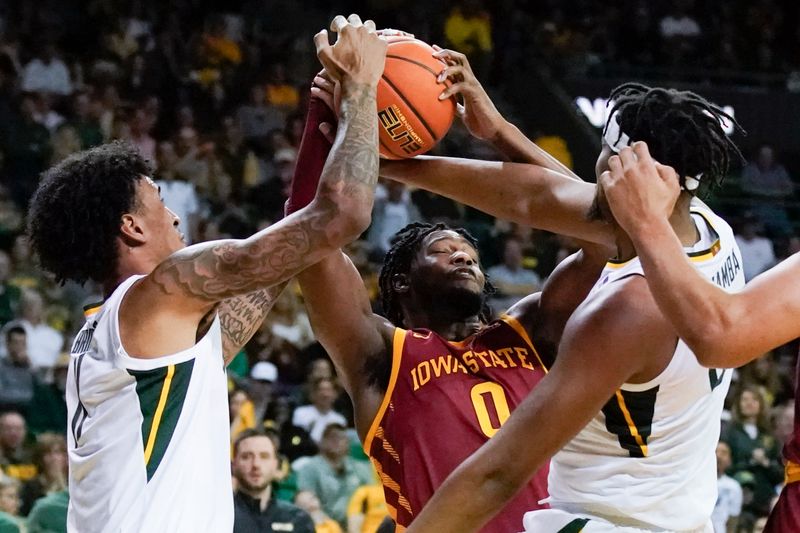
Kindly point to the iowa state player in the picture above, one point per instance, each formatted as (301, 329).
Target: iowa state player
(707, 318)
(436, 380)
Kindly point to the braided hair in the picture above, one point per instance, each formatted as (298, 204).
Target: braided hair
(405, 245)
(682, 129)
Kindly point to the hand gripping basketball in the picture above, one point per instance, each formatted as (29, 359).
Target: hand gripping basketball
(358, 55)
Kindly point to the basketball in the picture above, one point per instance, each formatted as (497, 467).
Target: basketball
(412, 118)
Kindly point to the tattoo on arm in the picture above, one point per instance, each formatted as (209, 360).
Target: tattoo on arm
(241, 317)
(214, 271)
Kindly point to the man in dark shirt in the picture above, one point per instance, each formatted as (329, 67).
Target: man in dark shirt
(255, 466)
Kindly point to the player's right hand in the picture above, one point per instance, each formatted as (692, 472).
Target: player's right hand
(357, 56)
(638, 188)
(479, 114)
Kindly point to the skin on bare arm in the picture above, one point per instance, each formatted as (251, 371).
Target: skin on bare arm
(623, 329)
(641, 194)
(162, 311)
(484, 121)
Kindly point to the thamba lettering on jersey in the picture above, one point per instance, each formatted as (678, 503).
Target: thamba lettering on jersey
(444, 400)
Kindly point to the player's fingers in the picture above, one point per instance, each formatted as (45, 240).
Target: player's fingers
(615, 165)
(460, 109)
(324, 84)
(328, 131)
(627, 157)
(325, 97)
(452, 90)
(641, 151)
(355, 20)
(321, 41)
(667, 173)
(338, 23)
(370, 25)
(452, 72)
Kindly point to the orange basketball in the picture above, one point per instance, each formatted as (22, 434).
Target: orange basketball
(412, 118)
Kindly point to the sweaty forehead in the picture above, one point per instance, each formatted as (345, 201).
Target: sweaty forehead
(445, 235)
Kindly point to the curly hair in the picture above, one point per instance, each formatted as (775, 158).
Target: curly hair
(682, 129)
(75, 213)
(405, 245)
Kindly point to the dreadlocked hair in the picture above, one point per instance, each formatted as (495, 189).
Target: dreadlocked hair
(682, 129)
(405, 245)
(75, 214)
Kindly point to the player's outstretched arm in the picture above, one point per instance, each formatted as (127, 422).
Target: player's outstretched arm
(484, 121)
(196, 278)
(527, 194)
(603, 347)
(723, 329)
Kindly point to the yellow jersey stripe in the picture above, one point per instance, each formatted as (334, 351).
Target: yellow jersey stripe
(162, 402)
(92, 310)
(792, 472)
(397, 352)
(514, 323)
(631, 425)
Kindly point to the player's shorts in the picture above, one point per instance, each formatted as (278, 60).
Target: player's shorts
(558, 521)
(785, 516)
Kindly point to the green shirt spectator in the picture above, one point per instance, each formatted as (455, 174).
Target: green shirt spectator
(49, 514)
(8, 524)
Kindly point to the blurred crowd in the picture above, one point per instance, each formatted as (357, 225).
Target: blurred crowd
(215, 100)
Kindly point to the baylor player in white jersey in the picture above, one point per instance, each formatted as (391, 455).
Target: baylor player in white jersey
(148, 416)
(160, 425)
(622, 473)
(646, 460)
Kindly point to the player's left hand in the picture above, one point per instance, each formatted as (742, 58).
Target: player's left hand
(479, 114)
(638, 188)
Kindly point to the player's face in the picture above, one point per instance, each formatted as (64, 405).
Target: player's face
(159, 223)
(255, 463)
(449, 260)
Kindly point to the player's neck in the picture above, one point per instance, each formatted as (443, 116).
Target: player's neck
(682, 224)
(448, 329)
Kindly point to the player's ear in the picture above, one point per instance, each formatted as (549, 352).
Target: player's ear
(400, 283)
(131, 231)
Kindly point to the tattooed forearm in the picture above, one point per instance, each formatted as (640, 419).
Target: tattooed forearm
(353, 162)
(240, 318)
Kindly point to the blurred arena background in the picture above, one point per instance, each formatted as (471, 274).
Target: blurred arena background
(213, 94)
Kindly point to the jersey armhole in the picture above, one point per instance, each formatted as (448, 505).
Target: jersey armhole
(520, 330)
(398, 341)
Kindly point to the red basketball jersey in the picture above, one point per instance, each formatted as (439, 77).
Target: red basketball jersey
(444, 400)
(792, 448)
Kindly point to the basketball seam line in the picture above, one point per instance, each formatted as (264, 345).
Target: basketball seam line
(413, 109)
(423, 65)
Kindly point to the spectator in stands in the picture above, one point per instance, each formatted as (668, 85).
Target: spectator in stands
(48, 411)
(44, 114)
(47, 73)
(242, 412)
(318, 415)
(10, 500)
(280, 93)
(44, 342)
(680, 31)
(510, 278)
(261, 388)
(392, 212)
(26, 273)
(332, 475)
(179, 195)
(9, 294)
(256, 119)
(468, 29)
(11, 223)
(65, 142)
(308, 501)
(49, 514)
(17, 382)
(757, 251)
(783, 422)
(729, 498)
(26, 152)
(769, 186)
(754, 448)
(255, 467)
(140, 135)
(50, 458)
(295, 442)
(16, 458)
(367, 508)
